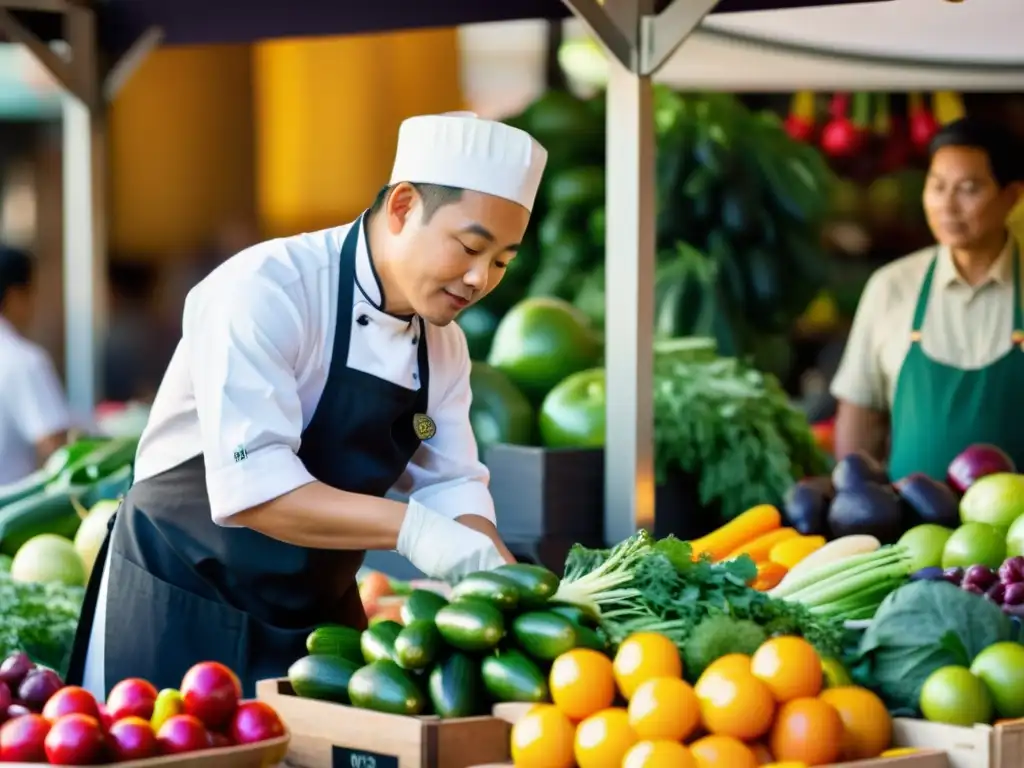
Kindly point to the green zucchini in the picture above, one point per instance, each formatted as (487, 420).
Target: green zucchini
(535, 583)
(511, 676)
(336, 640)
(378, 642)
(421, 605)
(573, 613)
(417, 645)
(322, 676)
(51, 511)
(493, 588)
(383, 686)
(544, 635)
(106, 459)
(471, 625)
(30, 485)
(455, 687)
(70, 454)
(589, 638)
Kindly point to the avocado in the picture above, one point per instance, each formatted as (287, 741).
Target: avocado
(868, 509)
(929, 500)
(857, 469)
(806, 505)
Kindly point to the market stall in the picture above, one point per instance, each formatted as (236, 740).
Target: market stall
(640, 36)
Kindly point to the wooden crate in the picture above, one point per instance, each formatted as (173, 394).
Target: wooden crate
(263, 755)
(326, 735)
(983, 746)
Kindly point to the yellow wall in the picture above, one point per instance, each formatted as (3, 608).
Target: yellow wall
(327, 116)
(181, 154)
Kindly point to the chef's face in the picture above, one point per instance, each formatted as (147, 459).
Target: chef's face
(965, 205)
(455, 257)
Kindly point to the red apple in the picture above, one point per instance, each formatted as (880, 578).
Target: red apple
(182, 733)
(210, 692)
(71, 700)
(255, 721)
(220, 740)
(21, 739)
(75, 739)
(131, 697)
(132, 738)
(105, 719)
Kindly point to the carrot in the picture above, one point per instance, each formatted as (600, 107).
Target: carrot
(743, 528)
(769, 575)
(789, 553)
(759, 548)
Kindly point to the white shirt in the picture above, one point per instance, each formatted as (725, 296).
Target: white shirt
(32, 404)
(256, 348)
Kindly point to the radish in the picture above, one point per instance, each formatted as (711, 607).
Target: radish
(840, 137)
(922, 122)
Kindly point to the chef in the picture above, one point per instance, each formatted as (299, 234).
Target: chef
(314, 374)
(935, 357)
(34, 417)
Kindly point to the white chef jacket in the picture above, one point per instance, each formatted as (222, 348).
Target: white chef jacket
(257, 340)
(32, 404)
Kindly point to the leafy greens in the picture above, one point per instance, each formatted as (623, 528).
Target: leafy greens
(39, 619)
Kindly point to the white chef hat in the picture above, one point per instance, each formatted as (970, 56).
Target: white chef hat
(458, 149)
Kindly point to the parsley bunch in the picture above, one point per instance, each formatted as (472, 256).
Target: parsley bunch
(39, 619)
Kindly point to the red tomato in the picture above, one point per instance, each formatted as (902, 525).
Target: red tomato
(210, 692)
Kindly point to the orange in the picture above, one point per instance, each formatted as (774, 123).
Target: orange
(761, 753)
(722, 752)
(735, 704)
(789, 666)
(867, 727)
(659, 754)
(664, 708)
(543, 738)
(807, 730)
(731, 662)
(582, 683)
(603, 739)
(643, 656)
(787, 764)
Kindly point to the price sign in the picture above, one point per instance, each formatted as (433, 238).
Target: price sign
(343, 757)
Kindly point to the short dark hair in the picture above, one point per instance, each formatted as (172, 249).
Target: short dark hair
(15, 270)
(1002, 147)
(434, 197)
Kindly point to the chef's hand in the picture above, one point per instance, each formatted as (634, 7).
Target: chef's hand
(443, 548)
(486, 527)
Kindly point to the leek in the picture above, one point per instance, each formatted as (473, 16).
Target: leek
(608, 582)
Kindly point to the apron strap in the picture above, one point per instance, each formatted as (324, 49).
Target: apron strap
(922, 300)
(1018, 310)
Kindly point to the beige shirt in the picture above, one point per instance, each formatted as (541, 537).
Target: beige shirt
(965, 326)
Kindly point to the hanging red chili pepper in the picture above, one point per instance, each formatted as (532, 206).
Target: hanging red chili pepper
(840, 137)
(922, 123)
(800, 121)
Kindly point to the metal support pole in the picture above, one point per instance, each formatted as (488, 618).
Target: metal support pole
(629, 304)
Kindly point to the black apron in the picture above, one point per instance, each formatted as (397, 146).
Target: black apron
(183, 589)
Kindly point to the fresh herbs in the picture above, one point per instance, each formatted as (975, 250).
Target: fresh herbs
(643, 585)
(732, 427)
(39, 619)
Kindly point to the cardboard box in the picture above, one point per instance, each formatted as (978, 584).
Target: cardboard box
(326, 735)
(922, 760)
(983, 746)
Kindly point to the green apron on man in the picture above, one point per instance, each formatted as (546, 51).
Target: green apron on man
(938, 409)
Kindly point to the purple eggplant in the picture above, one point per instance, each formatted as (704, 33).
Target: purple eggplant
(980, 575)
(37, 688)
(929, 500)
(14, 669)
(1012, 570)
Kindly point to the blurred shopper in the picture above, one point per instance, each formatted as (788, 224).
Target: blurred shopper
(935, 358)
(34, 416)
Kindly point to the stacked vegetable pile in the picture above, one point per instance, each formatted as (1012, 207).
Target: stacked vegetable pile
(496, 637)
(50, 722)
(51, 526)
(744, 711)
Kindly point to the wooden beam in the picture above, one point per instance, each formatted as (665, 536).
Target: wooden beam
(610, 31)
(663, 33)
(44, 6)
(61, 70)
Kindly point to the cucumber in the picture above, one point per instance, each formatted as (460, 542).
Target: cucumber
(544, 635)
(573, 613)
(336, 640)
(589, 638)
(511, 676)
(383, 686)
(378, 642)
(70, 454)
(106, 459)
(472, 625)
(322, 676)
(113, 487)
(421, 604)
(536, 584)
(417, 645)
(30, 485)
(455, 687)
(498, 590)
(50, 511)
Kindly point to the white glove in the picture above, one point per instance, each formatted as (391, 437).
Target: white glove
(443, 548)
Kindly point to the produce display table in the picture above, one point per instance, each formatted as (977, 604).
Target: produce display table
(983, 746)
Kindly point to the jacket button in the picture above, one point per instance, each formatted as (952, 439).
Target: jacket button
(363, 320)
